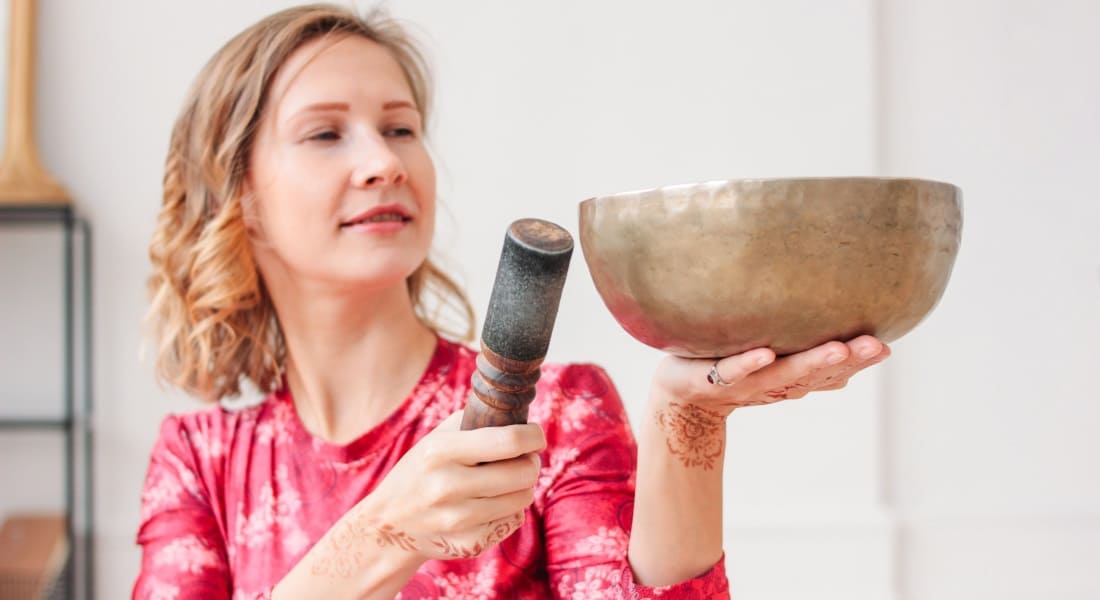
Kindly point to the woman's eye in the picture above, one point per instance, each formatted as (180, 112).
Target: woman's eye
(325, 136)
(399, 132)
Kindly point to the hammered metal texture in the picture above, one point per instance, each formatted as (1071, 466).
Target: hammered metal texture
(717, 268)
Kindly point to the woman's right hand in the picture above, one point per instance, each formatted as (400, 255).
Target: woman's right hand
(456, 493)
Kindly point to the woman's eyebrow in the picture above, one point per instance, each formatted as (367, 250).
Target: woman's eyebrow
(392, 104)
(318, 107)
(345, 107)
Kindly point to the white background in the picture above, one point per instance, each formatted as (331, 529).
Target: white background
(968, 467)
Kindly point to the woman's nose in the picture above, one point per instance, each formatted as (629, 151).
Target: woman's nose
(378, 166)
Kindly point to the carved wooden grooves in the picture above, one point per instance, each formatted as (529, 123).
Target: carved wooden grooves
(502, 390)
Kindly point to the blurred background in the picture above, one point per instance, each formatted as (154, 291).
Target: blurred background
(967, 467)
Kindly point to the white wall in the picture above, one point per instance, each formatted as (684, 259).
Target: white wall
(970, 451)
(993, 404)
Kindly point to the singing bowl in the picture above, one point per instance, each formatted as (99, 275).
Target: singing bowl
(713, 269)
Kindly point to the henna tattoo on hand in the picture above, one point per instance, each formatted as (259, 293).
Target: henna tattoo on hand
(794, 390)
(453, 551)
(342, 554)
(497, 533)
(817, 380)
(388, 536)
(694, 434)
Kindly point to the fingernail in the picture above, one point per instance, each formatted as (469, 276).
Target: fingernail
(834, 358)
(867, 352)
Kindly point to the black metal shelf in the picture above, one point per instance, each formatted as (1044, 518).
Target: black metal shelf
(74, 424)
(35, 213)
(33, 423)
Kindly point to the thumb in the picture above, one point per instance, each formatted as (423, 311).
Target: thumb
(452, 422)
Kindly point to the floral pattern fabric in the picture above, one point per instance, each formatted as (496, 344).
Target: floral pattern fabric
(233, 499)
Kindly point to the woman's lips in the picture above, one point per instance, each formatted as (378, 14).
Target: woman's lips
(380, 219)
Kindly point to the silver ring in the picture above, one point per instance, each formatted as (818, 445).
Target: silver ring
(715, 378)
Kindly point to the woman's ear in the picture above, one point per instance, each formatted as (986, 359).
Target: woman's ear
(250, 213)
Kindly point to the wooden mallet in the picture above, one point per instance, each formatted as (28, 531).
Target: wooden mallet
(518, 323)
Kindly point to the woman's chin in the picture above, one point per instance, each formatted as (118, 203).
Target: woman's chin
(375, 280)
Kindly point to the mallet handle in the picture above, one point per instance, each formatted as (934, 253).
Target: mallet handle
(518, 323)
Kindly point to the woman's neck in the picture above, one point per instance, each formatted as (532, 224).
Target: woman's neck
(351, 359)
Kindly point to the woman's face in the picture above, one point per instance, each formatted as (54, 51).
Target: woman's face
(343, 187)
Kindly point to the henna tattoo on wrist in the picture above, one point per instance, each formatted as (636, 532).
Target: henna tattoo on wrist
(694, 435)
(342, 554)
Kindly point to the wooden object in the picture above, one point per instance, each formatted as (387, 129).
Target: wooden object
(518, 323)
(23, 180)
(33, 552)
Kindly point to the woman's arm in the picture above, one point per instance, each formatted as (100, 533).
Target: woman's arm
(359, 557)
(677, 530)
(586, 493)
(183, 553)
(678, 504)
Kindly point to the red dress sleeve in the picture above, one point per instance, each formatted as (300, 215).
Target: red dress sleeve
(183, 549)
(588, 500)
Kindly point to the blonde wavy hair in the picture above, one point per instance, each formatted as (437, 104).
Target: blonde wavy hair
(210, 313)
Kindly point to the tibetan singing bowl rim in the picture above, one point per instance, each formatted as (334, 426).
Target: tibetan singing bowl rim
(719, 267)
(668, 190)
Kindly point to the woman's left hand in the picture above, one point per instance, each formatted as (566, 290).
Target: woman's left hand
(755, 377)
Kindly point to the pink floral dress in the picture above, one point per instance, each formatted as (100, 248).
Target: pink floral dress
(233, 499)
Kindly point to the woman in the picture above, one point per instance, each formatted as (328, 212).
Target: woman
(291, 252)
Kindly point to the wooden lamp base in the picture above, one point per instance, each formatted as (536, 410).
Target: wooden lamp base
(23, 180)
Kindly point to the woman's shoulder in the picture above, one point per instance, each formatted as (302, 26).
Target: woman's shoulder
(578, 399)
(589, 443)
(204, 430)
(217, 415)
(577, 380)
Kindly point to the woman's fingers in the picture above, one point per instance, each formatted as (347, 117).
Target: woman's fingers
(452, 423)
(833, 386)
(499, 478)
(826, 367)
(501, 507)
(733, 369)
(865, 347)
(791, 371)
(488, 444)
(865, 351)
(485, 462)
(462, 490)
